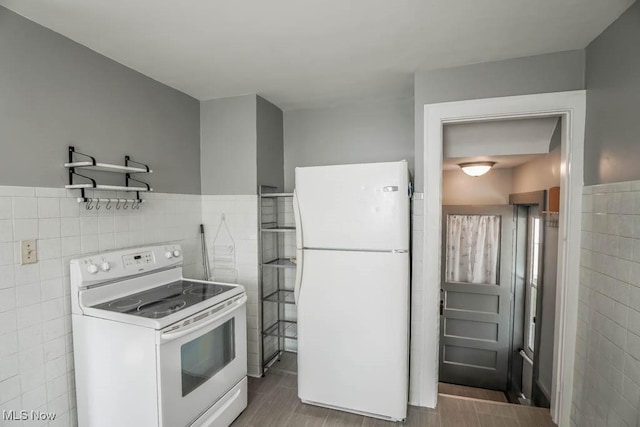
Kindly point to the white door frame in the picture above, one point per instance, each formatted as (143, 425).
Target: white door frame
(571, 107)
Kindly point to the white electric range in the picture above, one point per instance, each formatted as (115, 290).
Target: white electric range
(152, 348)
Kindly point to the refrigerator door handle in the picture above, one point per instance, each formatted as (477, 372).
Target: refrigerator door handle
(299, 266)
(297, 217)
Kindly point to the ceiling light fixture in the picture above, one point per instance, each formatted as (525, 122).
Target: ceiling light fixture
(476, 168)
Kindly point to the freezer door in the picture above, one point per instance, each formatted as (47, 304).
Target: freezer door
(353, 331)
(361, 207)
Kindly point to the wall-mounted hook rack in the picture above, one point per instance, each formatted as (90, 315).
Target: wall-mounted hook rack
(94, 203)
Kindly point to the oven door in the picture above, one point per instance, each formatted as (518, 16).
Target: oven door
(200, 362)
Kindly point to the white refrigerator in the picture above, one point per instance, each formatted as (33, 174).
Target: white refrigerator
(352, 287)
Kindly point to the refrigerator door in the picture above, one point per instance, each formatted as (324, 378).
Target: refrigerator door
(353, 332)
(353, 207)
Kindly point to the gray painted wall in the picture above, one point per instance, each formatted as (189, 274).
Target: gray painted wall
(493, 188)
(554, 72)
(55, 92)
(359, 133)
(612, 141)
(270, 134)
(541, 173)
(228, 145)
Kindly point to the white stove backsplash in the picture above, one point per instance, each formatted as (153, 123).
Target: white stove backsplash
(36, 351)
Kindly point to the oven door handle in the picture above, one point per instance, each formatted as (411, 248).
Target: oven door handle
(172, 335)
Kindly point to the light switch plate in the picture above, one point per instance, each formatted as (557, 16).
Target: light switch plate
(28, 251)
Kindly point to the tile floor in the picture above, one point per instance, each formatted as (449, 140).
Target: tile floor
(474, 392)
(273, 402)
(288, 363)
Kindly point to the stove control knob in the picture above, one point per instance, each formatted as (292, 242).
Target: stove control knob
(176, 253)
(92, 268)
(168, 254)
(105, 266)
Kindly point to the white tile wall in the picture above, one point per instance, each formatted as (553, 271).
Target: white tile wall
(36, 350)
(36, 354)
(417, 217)
(606, 389)
(241, 215)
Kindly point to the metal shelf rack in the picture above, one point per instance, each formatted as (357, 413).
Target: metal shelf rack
(278, 229)
(271, 195)
(283, 328)
(280, 263)
(277, 269)
(282, 296)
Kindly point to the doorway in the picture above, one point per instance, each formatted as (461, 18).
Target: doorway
(499, 268)
(570, 106)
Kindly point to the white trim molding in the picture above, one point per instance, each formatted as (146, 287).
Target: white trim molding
(571, 108)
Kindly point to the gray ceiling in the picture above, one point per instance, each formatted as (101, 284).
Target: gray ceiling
(301, 54)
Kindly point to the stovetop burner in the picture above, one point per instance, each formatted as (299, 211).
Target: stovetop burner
(125, 303)
(181, 285)
(208, 291)
(165, 300)
(162, 308)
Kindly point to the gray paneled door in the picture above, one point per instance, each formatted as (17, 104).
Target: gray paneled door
(476, 293)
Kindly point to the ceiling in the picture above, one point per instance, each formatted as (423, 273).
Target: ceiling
(499, 137)
(301, 54)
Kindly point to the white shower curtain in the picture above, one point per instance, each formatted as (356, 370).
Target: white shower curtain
(472, 249)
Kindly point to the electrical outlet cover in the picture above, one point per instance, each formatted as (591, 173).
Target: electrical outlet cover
(28, 252)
